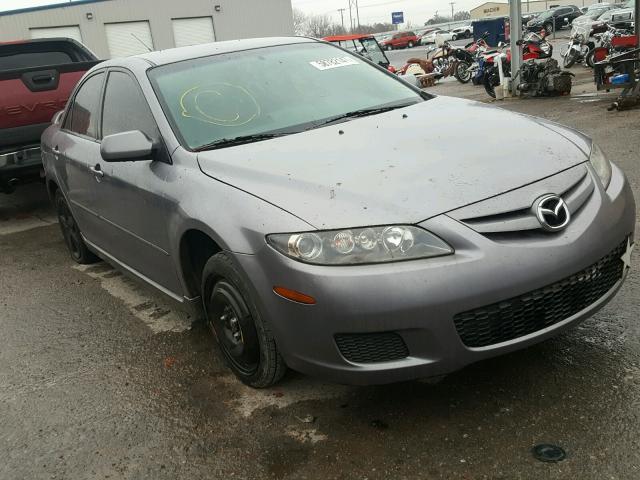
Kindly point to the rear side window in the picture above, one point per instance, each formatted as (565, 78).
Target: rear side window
(33, 59)
(83, 117)
(125, 108)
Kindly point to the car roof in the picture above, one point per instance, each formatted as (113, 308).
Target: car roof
(172, 55)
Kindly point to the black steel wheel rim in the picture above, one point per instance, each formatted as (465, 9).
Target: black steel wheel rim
(232, 323)
(70, 230)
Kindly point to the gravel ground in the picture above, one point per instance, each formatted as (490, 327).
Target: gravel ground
(101, 377)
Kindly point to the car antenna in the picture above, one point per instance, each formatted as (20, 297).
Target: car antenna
(143, 44)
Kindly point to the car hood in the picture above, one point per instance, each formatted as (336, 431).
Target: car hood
(385, 169)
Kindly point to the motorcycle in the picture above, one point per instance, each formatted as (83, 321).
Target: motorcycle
(578, 49)
(468, 59)
(536, 78)
(613, 41)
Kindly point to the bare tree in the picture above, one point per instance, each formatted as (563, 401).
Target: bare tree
(299, 22)
(462, 16)
(319, 26)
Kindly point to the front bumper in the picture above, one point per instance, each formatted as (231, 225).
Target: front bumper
(418, 300)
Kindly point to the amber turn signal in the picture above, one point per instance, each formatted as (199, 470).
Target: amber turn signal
(294, 296)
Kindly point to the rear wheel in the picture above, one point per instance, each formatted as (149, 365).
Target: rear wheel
(245, 340)
(71, 232)
(411, 44)
(454, 38)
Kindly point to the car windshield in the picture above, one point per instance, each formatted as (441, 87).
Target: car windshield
(275, 90)
(545, 15)
(595, 13)
(373, 52)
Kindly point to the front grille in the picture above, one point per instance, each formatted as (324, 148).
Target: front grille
(540, 308)
(371, 347)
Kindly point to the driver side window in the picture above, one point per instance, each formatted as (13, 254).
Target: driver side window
(125, 108)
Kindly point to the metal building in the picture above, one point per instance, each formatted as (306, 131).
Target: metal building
(116, 28)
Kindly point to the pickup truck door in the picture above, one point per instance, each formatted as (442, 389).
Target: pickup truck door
(75, 148)
(129, 197)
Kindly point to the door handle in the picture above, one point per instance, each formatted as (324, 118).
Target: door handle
(97, 171)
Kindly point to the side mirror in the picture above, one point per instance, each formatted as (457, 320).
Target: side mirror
(126, 147)
(501, 44)
(566, 20)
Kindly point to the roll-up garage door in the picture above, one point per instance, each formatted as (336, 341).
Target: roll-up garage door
(128, 38)
(193, 31)
(72, 31)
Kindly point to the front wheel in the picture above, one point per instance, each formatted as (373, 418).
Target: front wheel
(569, 58)
(245, 340)
(462, 72)
(589, 59)
(411, 44)
(491, 81)
(454, 38)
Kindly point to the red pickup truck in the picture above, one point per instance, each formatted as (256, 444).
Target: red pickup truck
(36, 79)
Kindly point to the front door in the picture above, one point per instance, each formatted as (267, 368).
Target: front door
(130, 196)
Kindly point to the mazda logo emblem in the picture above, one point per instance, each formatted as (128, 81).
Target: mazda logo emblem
(552, 212)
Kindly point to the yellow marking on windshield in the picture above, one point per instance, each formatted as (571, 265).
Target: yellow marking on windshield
(193, 104)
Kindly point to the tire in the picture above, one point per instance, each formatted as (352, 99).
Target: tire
(71, 233)
(462, 73)
(569, 59)
(549, 28)
(589, 59)
(244, 339)
(491, 81)
(410, 45)
(454, 38)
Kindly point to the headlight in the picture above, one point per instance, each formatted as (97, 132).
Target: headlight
(601, 165)
(360, 245)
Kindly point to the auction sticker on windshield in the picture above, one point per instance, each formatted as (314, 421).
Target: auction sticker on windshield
(335, 62)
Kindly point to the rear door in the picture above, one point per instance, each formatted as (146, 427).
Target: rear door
(76, 148)
(130, 197)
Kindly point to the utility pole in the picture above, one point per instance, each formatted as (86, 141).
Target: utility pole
(354, 4)
(341, 10)
(452, 4)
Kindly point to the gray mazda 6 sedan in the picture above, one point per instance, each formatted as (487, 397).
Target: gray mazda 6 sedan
(331, 218)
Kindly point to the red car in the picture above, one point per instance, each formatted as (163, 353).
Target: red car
(401, 40)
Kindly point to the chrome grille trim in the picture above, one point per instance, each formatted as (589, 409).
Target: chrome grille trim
(574, 185)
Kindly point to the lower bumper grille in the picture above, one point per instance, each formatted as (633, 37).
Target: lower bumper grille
(540, 308)
(371, 347)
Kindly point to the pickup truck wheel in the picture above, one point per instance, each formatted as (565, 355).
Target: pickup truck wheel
(244, 339)
(71, 233)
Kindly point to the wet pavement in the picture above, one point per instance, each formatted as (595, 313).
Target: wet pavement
(101, 377)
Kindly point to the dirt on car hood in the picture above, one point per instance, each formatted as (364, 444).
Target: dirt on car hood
(402, 166)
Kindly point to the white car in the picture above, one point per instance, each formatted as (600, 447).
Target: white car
(430, 37)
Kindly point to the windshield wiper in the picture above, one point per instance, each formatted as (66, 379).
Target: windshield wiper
(365, 112)
(241, 140)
